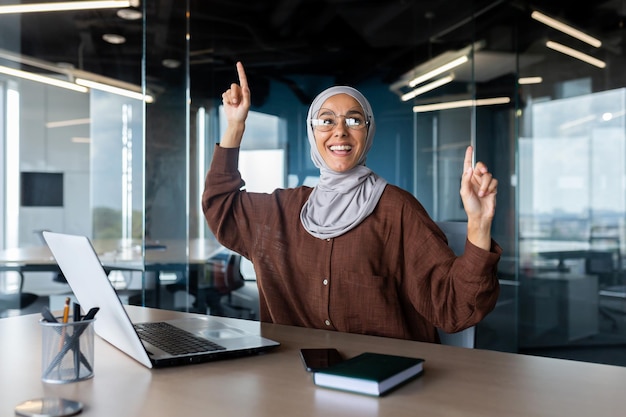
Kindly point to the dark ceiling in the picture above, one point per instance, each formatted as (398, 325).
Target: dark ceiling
(351, 40)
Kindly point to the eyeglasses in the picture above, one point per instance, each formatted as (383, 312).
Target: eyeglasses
(327, 121)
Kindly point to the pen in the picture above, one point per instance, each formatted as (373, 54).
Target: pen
(76, 312)
(48, 316)
(91, 313)
(76, 348)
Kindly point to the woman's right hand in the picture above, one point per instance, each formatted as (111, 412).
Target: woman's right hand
(236, 101)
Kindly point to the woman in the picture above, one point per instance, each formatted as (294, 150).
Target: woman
(354, 253)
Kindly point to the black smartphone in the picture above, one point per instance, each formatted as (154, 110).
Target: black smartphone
(319, 358)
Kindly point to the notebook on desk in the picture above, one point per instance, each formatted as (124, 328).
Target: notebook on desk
(211, 339)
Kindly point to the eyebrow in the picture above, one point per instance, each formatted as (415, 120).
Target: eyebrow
(352, 111)
(323, 111)
(357, 111)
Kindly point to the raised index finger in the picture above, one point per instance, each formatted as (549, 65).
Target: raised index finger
(243, 80)
(468, 158)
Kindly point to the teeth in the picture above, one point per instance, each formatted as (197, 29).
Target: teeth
(340, 148)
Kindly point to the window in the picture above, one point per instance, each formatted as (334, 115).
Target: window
(262, 158)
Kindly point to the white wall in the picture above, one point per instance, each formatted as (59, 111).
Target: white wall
(55, 149)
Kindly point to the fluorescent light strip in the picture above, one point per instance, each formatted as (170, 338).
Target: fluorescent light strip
(553, 23)
(461, 103)
(575, 54)
(426, 88)
(78, 139)
(530, 80)
(64, 6)
(439, 70)
(575, 123)
(12, 169)
(114, 90)
(42, 79)
(201, 141)
(67, 123)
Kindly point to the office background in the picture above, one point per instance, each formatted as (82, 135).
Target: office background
(132, 169)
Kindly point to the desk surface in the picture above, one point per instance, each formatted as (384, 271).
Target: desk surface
(456, 382)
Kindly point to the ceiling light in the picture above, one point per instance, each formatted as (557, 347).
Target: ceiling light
(530, 80)
(577, 122)
(553, 23)
(78, 139)
(67, 123)
(170, 63)
(460, 103)
(115, 90)
(576, 54)
(42, 79)
(435, 67)
(114, 38)
(66, 5)
(439, 70)
(428, 87)
(81, 78)
(129, 14)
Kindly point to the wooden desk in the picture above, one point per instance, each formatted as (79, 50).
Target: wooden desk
(456, 382)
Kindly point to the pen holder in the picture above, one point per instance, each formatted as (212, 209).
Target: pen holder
(67, 351)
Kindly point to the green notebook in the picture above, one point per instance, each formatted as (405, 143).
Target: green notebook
(369, 373)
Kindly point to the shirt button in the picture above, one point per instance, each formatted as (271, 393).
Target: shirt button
(328, 240)
(327, 322)
(325, 282)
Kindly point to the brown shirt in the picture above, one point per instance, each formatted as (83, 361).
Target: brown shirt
(393, 275)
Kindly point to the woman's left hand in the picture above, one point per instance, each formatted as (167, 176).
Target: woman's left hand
(478, 192)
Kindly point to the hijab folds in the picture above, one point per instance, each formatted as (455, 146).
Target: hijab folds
(341, 200)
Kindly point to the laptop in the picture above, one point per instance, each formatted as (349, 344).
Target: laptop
(87, 278)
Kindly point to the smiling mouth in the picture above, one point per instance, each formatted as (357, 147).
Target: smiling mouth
(340, 148)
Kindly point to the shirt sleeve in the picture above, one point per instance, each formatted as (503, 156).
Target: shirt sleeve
(452, 292)
(226, 207)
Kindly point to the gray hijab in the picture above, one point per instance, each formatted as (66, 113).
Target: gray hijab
(341, 200)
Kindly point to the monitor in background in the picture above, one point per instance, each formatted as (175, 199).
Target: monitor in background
(41, 189)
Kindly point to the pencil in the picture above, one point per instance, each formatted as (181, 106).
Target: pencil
(66, 310)
(66, 316)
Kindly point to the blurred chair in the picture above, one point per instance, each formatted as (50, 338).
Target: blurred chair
(15, 300)
(612, 295)
(465, 338)
(604, 260)
(456, 233)
(603, 265)
(213, 284)
(222, 276)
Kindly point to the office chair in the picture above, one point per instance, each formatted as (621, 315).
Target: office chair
(603, 264)
(222, 277)
(213, 285)
(456, 233)
(16, 301)
(611, 288)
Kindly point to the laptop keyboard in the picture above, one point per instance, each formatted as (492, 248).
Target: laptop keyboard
(174, 340)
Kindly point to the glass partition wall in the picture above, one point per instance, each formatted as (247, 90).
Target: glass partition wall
(547, 118)
(570, 195)
(75, 156)
(549, 123)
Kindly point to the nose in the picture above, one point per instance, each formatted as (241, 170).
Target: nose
(341, 127)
